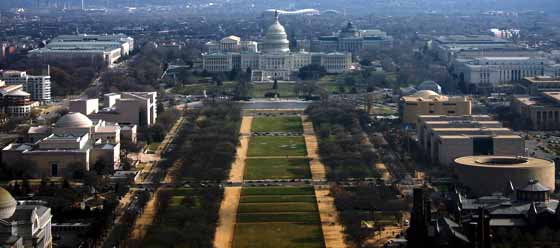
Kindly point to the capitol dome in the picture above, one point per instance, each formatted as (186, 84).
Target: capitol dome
(7, 204)
(74, 120)
(275, 39)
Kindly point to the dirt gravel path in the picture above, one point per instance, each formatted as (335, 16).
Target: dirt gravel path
(238, 166)
(147, 217)
(223, 238)
(318, 171)
(333, 231)
(228, 217)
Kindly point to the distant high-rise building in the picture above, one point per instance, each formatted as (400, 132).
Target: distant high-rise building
(38, 86)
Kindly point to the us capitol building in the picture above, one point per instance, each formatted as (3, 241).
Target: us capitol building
(271, 58)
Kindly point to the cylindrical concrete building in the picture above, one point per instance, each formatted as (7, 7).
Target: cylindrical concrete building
(485, 175)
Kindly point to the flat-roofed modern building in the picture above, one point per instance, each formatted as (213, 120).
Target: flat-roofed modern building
(38, 86)
(448, 47)
(427, 102)
(426, 123)
(104, 48)
(444, 139)
(536, 85)
(106, 56)
(136, 108)
(449, 144)
(84, 106)
(541, 112)
(122, 41)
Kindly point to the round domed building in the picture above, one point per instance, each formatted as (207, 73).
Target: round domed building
(273, 59)
(275, 39)
(18, 218)
(74, 120)
(74, 141)
(73, 123)
(8, 204)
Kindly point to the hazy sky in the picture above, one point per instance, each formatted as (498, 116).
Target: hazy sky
(362, 5)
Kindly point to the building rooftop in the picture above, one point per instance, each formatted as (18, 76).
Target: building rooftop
(553, 96)
(459, 123)
(431, 96)
(74, 120)
(468, 39)
(39, 130)
(7, 89)
(508, 222)
(107, 129)
(18, 92)
(531, 100)
(74, 50)
(534, 186)
(503, 161)
(467, 129)
(232, 38)
(542, 79)
(506, 58)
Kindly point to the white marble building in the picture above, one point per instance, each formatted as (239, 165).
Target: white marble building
(105, 48)
(495, 71)
(24, 223)
(271, 58)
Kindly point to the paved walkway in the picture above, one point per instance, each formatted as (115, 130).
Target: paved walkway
(333, 231)
(225, 230)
